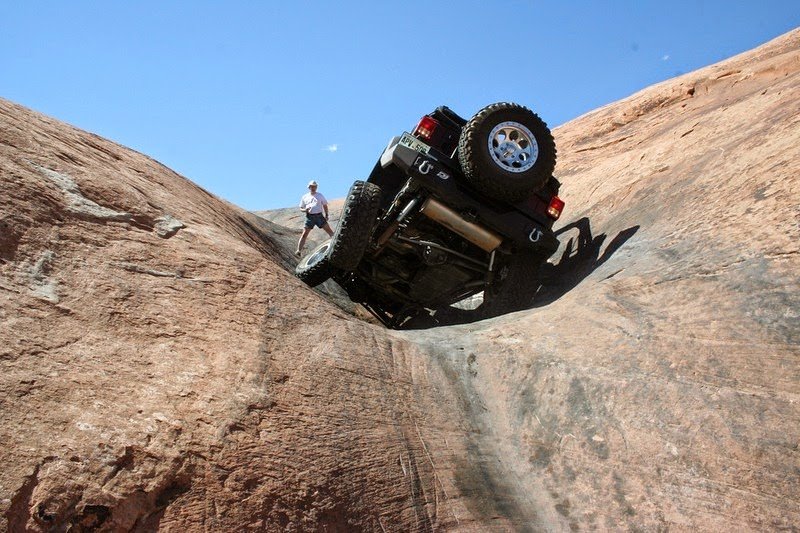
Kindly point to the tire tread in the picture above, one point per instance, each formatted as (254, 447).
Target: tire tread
(354, 230)
(491, 183)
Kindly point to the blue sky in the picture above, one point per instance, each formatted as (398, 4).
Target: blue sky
(252, 99)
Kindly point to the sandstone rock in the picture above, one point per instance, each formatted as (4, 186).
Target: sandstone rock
(160, 379)
(187, 381)
(656, 383)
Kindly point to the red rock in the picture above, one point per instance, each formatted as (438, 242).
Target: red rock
(161, 368)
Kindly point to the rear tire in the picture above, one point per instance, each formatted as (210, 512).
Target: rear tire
(315, 268)
(507, 152)
(355, 226)
(514, 286)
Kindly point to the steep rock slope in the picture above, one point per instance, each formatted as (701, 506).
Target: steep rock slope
(656, 383)
(159, 369)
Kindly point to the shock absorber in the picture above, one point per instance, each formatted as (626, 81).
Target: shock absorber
(387, 234)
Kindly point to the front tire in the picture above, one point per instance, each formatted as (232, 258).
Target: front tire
(507, 152)
(355, 226)
(315, 268)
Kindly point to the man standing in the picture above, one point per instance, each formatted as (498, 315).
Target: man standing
(315, 207)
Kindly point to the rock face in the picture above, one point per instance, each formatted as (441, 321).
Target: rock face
(161, 368)
(657, 382)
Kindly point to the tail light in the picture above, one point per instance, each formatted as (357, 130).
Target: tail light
(555, 207)
(425, 128)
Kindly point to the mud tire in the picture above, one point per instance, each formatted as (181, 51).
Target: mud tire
(315, 268)
(355, 226)
(485, 171)
(514, 287)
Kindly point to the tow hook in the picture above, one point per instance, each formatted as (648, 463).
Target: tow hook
(536, 235)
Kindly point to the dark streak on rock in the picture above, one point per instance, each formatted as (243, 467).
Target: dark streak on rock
(18, 512)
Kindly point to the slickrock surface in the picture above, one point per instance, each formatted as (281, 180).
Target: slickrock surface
(160, 368)
(657, 382)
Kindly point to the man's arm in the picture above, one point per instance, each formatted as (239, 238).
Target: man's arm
(324, 205)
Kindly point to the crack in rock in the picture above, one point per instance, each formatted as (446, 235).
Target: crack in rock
(179, 275)
(132, 267)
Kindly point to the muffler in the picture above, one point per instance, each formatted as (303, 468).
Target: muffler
(479, 236)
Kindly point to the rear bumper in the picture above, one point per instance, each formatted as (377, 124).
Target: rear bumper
(442, 182)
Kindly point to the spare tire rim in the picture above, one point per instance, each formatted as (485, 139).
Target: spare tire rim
(513, 147)
(317, 255)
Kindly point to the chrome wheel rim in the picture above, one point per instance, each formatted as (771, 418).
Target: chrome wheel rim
(317, 255)
(513, 147)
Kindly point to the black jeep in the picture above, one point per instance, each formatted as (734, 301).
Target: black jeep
(451, 210)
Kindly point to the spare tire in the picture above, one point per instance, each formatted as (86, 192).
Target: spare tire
(355, 226)
(315, 268)
(507, 152)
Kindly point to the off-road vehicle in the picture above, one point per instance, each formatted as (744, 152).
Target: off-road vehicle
(453, 209)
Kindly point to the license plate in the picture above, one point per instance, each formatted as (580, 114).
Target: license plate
(414, 143)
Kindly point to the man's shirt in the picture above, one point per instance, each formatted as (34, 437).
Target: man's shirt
(313, 203)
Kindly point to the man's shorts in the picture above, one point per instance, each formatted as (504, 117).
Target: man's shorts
(317, 220)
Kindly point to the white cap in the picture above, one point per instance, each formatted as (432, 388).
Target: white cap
(312, 183)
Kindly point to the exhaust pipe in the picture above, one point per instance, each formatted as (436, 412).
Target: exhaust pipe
(481, 237)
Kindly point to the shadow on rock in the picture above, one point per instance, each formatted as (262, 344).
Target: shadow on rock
(580, 258)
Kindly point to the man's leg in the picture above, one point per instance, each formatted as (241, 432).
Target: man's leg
(328, 230)
(302, 242)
